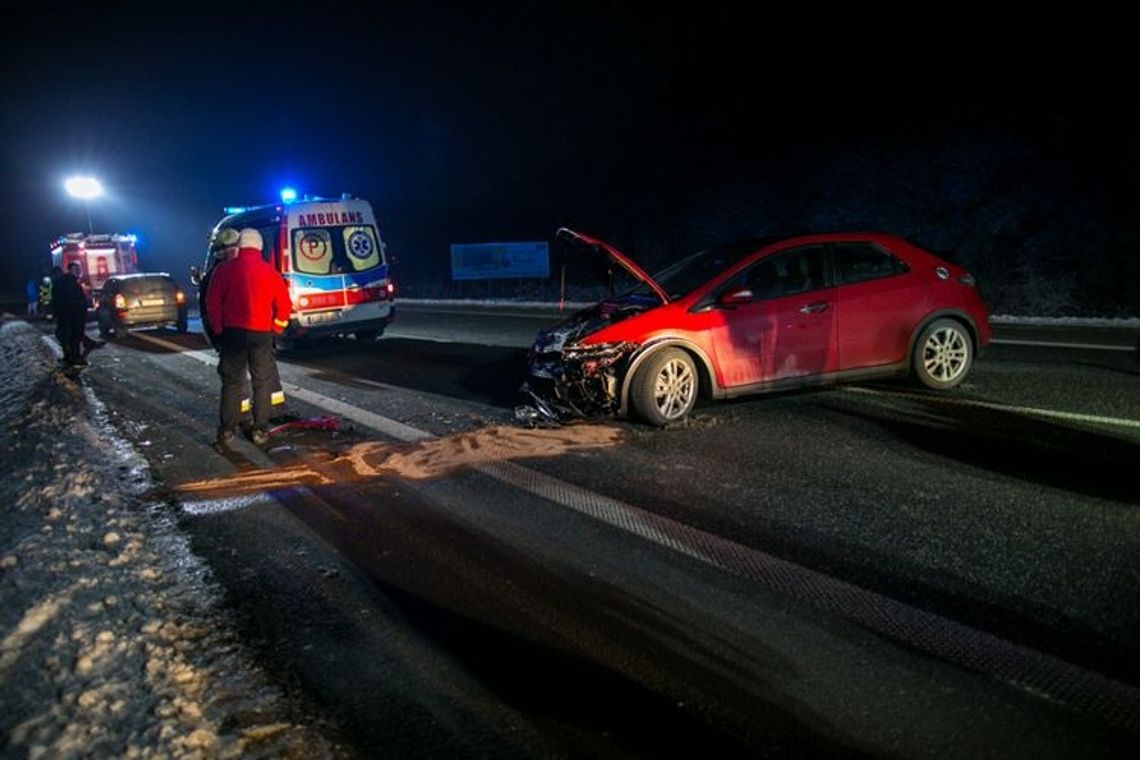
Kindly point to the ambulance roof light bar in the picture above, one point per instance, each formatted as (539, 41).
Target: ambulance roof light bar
(289, 195)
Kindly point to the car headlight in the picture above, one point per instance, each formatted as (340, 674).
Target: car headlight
(596, 351)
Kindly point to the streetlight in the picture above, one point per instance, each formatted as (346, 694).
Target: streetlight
(84, 188)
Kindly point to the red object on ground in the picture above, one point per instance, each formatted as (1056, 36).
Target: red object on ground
(315, 423)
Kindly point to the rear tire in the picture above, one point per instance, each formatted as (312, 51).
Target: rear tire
(104, 323)
(943, 354)
(664, 389)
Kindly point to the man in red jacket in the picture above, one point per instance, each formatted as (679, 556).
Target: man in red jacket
(247, 302)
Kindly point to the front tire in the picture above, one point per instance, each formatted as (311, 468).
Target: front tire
(664, 390)
(943, 355)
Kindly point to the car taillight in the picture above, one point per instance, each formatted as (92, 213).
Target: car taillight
(120, 301)
(179, 297)
(390, 288)
(320, 300)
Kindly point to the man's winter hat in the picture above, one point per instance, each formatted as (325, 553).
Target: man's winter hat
(227, 237)
(250, 238)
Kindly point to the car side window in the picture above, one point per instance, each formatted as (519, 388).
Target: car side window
(859, 262)
(788, 273)
(764, 280)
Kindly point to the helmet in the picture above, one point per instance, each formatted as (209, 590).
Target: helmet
(226, 237)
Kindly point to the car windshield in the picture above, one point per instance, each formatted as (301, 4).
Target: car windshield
(682, 277)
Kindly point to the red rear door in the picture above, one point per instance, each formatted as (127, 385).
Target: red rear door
(879, 302)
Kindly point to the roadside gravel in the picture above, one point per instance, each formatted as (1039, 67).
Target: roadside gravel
(113, 640)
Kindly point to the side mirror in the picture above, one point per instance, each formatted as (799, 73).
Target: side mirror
(735, 297)
(195, 275)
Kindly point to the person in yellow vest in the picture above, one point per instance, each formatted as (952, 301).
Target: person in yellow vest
(45, 296)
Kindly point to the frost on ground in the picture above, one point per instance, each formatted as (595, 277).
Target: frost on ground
(113, 642)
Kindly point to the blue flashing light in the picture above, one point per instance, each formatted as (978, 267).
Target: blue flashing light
(288, 195)
(228, 210)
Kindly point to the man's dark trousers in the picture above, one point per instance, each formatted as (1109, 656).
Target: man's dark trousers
(70, 326)
(242, 351)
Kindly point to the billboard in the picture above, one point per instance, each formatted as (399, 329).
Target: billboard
(499, 261)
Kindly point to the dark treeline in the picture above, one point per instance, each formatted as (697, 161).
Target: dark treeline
(1047, 232)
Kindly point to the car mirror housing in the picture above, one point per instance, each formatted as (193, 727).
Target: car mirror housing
(735, 297)
(195, 275)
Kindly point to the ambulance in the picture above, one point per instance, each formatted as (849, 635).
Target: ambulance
(332, 258)
(99, 256)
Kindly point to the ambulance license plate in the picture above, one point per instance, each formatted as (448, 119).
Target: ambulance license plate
(320, 318)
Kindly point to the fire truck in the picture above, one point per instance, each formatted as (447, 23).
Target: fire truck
(99, 256)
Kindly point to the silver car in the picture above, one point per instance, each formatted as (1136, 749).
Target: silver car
(143, 300)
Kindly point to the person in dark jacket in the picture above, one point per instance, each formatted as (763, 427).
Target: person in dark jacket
(69, 304)
(246, 304)
(223, 248)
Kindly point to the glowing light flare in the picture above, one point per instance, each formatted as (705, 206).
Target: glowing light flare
(288, 195)
(83, 187)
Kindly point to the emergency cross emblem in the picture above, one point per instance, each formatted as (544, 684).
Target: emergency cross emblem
(360, 244)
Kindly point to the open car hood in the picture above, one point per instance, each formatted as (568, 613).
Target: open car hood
(578, 240)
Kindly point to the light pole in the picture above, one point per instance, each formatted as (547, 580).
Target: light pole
(84, 188)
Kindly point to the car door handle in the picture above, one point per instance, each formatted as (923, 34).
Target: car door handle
(814, 307)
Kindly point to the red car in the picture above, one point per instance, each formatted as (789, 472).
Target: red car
(762, 316)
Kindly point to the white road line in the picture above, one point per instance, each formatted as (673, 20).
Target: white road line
(1050, 344)
(402, 432)
(1026, 410)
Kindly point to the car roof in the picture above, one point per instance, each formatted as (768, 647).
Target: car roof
(808, 238)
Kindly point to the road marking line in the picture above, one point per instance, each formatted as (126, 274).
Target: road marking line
(1050, 344)
(388, 427)
(1026, 410)
(404, 433)
(967, 647)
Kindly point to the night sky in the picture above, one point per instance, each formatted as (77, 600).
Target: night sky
(488, 122)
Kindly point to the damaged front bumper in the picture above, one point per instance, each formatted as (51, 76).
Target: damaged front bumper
(573, 382)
